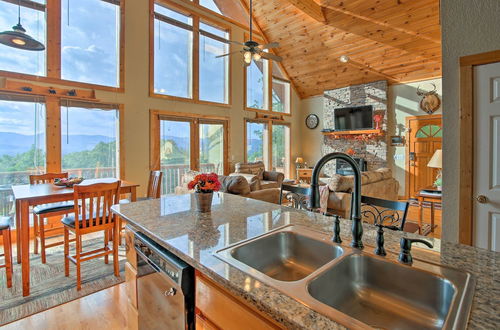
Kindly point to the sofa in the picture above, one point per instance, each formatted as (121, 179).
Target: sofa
(257, 176)
(378, 183)
(234, 184)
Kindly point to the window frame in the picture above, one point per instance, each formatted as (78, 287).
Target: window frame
(269, 123)
(195, 67)
(270, 77)
(53, 49)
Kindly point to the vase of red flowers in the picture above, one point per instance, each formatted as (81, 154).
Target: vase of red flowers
(204, 186)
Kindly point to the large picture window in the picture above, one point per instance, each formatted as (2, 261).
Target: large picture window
(90, 142)
(22, 146)
(90, 41)
(177, 71)
(213, 70)
(82, 42)
(33, 20)
(173, 47)
(269, 142)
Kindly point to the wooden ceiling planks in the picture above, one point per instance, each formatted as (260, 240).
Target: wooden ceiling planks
(396, 40)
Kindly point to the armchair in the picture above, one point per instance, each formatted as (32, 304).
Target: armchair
(258, 177)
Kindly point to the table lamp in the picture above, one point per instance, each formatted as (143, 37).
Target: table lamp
(437, 162)
(299, 161)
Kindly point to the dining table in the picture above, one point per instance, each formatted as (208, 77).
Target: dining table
(30, 195)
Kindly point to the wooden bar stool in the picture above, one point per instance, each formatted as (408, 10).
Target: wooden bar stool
(92, 213)
(5, 230)
(45, 211)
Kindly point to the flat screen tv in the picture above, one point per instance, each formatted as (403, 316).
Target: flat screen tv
(353, 118)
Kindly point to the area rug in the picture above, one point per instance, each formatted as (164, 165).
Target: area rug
(49, 286)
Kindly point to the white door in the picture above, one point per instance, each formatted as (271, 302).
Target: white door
(487, 156)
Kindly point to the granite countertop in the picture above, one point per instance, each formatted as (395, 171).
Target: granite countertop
(194, 237)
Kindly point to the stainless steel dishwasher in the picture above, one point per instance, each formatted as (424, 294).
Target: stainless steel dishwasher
(165, 288)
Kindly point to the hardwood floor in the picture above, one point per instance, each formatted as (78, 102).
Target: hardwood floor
(106, 309)
(413, 216)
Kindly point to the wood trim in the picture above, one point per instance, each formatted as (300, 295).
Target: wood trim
(54, 39)
(121, 144)
(154, 140)
(467, 134)
(195, 65)
(53, 135)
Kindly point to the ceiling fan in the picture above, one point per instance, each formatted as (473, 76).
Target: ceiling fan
(252, 50)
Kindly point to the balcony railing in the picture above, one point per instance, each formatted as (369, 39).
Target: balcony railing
(172, 176)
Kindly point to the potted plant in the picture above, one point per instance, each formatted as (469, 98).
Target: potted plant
(204, 186)
(439, 183)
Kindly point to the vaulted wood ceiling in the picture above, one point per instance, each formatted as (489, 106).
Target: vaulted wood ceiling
(396, 40)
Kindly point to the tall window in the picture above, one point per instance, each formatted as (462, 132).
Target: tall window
(212, 147)
(188, 143)
(267, 87)
(33, 20)
(90, 41)
(257, 85)
(228, 8)
(22, 147)
(257, 142)
(268, 142)
(175, 66)
(281, 149)
(213, 70)
(90, 142)
(173, 42)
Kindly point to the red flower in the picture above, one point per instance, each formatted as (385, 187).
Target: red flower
(205, 183)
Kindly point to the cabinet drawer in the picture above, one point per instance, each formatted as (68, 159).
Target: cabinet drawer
(305, 173)
(225, 311)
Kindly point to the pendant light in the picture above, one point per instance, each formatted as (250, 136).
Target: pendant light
(18, 38)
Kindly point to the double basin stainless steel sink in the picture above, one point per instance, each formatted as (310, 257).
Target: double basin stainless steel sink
(355, 288)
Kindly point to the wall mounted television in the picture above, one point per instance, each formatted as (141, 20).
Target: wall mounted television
(353, 118)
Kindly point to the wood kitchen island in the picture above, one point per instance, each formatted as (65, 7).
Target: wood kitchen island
(227, 297)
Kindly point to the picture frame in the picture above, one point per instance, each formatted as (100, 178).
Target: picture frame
(397, 141)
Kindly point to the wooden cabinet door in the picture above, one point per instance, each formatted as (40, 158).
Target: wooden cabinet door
(424, 138)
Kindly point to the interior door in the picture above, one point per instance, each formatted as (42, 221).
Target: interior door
(424, 138)
(487, 156)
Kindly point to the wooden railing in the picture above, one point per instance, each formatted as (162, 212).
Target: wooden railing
(172, 175)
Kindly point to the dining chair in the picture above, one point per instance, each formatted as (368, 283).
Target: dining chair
(154, 187)
(7, 247)
(92, 213)
(392, 214)
(296, 195)
(42, 213)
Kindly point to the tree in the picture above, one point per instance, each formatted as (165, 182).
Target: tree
(29, 160)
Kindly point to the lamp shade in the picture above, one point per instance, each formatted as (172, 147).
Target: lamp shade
(436, 160)
(299, 160)
(18, 38)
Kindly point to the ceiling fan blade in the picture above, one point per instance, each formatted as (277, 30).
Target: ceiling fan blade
(271, 57)
(270, 45)
(228, 54)
(236, 42)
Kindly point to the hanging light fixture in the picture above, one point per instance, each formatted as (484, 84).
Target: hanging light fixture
(18, 38)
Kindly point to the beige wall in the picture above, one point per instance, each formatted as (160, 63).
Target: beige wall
(403, 101)
(311, 138)
(468, 27)
(137, 102)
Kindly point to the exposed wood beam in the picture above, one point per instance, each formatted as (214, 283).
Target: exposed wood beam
(381, 23)
(311, 8)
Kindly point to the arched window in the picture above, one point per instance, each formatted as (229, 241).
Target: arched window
(430, 131)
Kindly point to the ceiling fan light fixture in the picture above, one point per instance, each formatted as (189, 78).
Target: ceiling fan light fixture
(256, 57)
(344, 58)
(248, 57)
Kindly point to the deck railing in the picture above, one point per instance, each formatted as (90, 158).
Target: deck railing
(172, 176)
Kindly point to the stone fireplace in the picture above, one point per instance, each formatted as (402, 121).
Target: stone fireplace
(372, 149)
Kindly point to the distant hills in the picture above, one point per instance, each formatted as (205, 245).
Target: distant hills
(13, 143)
